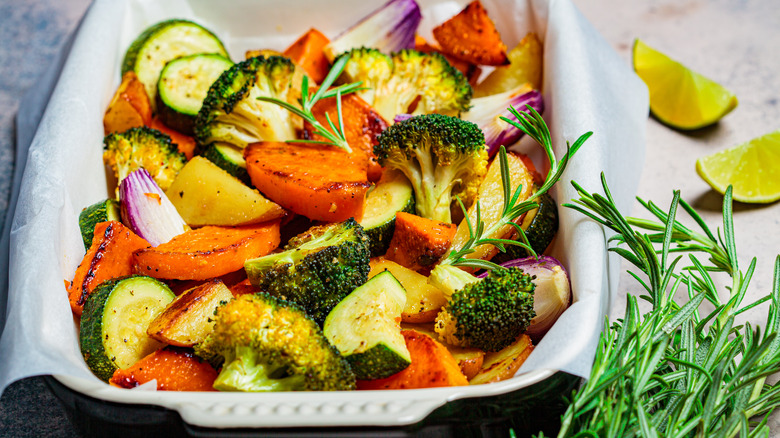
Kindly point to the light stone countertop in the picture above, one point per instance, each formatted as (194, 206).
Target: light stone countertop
(734, 42)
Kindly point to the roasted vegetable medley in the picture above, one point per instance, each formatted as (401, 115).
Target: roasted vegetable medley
(316, 218)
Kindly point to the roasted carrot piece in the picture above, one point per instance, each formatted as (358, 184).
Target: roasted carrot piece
(432, 366)
(320, 182)
(470, 70)
(207, 252)
(472, 36)
(418, 242)
(176, 369)
(307, 52)
(362, 126)
(185, 143)
(529, 164)
(129, 108)
(110, 256)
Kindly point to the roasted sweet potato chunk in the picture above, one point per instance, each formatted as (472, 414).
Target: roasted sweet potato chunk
(472, 36)
(418, 242)
(129, 108)
(320, 182)
(175, 369)
(307, 52)
(432, 366)
(110, 256)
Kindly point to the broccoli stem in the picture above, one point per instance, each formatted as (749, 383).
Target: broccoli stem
(245, 372)
(450, 279)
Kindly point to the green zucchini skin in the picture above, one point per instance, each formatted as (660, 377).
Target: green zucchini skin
(107, 210)
(364, 328)
(183, 84)
(230, 159)
(392, 194)
(160, 43)
(539, 229)
(97, 347)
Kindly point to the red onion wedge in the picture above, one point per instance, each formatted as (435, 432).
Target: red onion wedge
(146, 209)
(486, 112)
(552, 294)
(390, 28)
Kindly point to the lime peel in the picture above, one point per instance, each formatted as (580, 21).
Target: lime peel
(752, 168)
(680, 97)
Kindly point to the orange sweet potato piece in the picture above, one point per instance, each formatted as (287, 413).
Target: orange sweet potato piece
(129, 107)
(307, 52)
(529, 165)
(419, 242)
(185, 143)
(362, 126)
(110, 256)
(207, 252)
(320, 182)
(470, 71)
(432, 366)
(472, 36)
(176, 369)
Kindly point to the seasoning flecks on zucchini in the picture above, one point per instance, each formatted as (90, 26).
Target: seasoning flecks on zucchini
(365, 328)
(115, 319)
(107, 210)
(163, 42)
(392, 193)
(183, 84)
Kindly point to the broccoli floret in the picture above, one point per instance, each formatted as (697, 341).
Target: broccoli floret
(486, 313)
(232, 114)
(442, 156)
(144, 147)
(317, 268)
(269, 344)
(408, 81)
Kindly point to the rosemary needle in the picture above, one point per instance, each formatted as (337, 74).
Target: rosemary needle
(334, 135)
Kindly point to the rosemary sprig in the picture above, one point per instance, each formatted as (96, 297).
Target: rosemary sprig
(335, 135)
(533, 125)
(678, 371)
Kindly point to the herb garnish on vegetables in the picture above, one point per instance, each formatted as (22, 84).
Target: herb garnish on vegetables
(335, 135)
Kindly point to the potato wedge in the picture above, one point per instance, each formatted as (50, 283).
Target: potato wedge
(423, 301)
(491, 200)
(526, 67)
(188, 319)
(204, 194)
(503, 364)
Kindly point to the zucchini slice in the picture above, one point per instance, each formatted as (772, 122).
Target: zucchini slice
(540, 225)
(392, 193)
(102, 211)
(230, 159)
(183, 84)
(115, 319)
(163, 42)
(365, 328)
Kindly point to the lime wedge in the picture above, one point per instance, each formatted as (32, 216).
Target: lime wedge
(753, 168)
(679, 97)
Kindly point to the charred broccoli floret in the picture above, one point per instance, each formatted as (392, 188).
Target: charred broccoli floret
(486, 313)
(317, 268)
(269, 344)
(442, 156)
(232, 114)
(408, 81)
(144, 147)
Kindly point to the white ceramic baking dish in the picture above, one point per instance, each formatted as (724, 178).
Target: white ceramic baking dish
(586, 88)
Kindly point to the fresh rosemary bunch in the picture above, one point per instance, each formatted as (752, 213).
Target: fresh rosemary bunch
(678, 370)
(533, 125)
(335, 135)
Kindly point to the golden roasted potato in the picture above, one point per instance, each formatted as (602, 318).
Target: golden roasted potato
(423, 301)
(503, 364)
